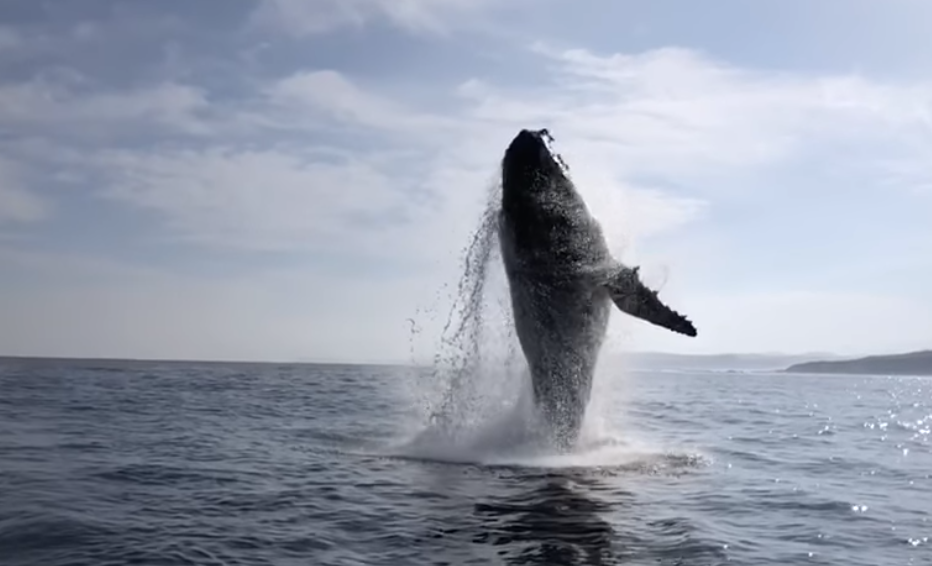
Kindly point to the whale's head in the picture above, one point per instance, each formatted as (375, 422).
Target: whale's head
(527, 162)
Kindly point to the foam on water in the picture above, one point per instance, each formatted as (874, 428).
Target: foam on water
(513, 438)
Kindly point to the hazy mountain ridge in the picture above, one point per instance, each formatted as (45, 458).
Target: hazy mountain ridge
(636, 360)
(913, 363)
(761, 361)
(910, 363)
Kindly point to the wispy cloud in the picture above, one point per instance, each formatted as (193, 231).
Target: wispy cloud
(17, 204)
(68, 104)
(9, 39)
(261, 198)
(311, 97)
(303, 18)
(678, 113)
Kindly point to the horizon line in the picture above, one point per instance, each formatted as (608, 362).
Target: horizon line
(413, 363)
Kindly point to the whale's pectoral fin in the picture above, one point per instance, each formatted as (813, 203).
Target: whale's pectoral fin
(633, 297)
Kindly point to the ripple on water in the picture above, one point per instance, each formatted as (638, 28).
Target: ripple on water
(216, 464)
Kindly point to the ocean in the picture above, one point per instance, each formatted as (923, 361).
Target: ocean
(158, 463)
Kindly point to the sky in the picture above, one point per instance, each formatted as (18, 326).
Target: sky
(295, 179)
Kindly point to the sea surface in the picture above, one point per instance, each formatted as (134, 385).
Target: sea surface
(118, 463)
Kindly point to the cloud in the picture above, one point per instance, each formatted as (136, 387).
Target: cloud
(678, 114)
(420, 185)
(10, 39)
(467, 138)
(650, 139)
(653, 124)
(66, 102)
(260, 199)
(18, 205)
(303, 18)
(308, 97)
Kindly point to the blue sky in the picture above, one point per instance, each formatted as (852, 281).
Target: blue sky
(294, 179)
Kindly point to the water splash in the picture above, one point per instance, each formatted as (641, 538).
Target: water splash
(477, 354)
(476, 397)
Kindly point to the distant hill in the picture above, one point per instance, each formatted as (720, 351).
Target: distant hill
(768, 361)
(913, 363)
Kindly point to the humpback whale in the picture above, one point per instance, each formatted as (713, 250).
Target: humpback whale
(563, 279)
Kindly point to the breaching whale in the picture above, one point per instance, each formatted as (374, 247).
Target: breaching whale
(562, 279)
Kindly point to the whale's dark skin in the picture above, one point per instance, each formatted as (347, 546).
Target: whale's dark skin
(563, 279)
